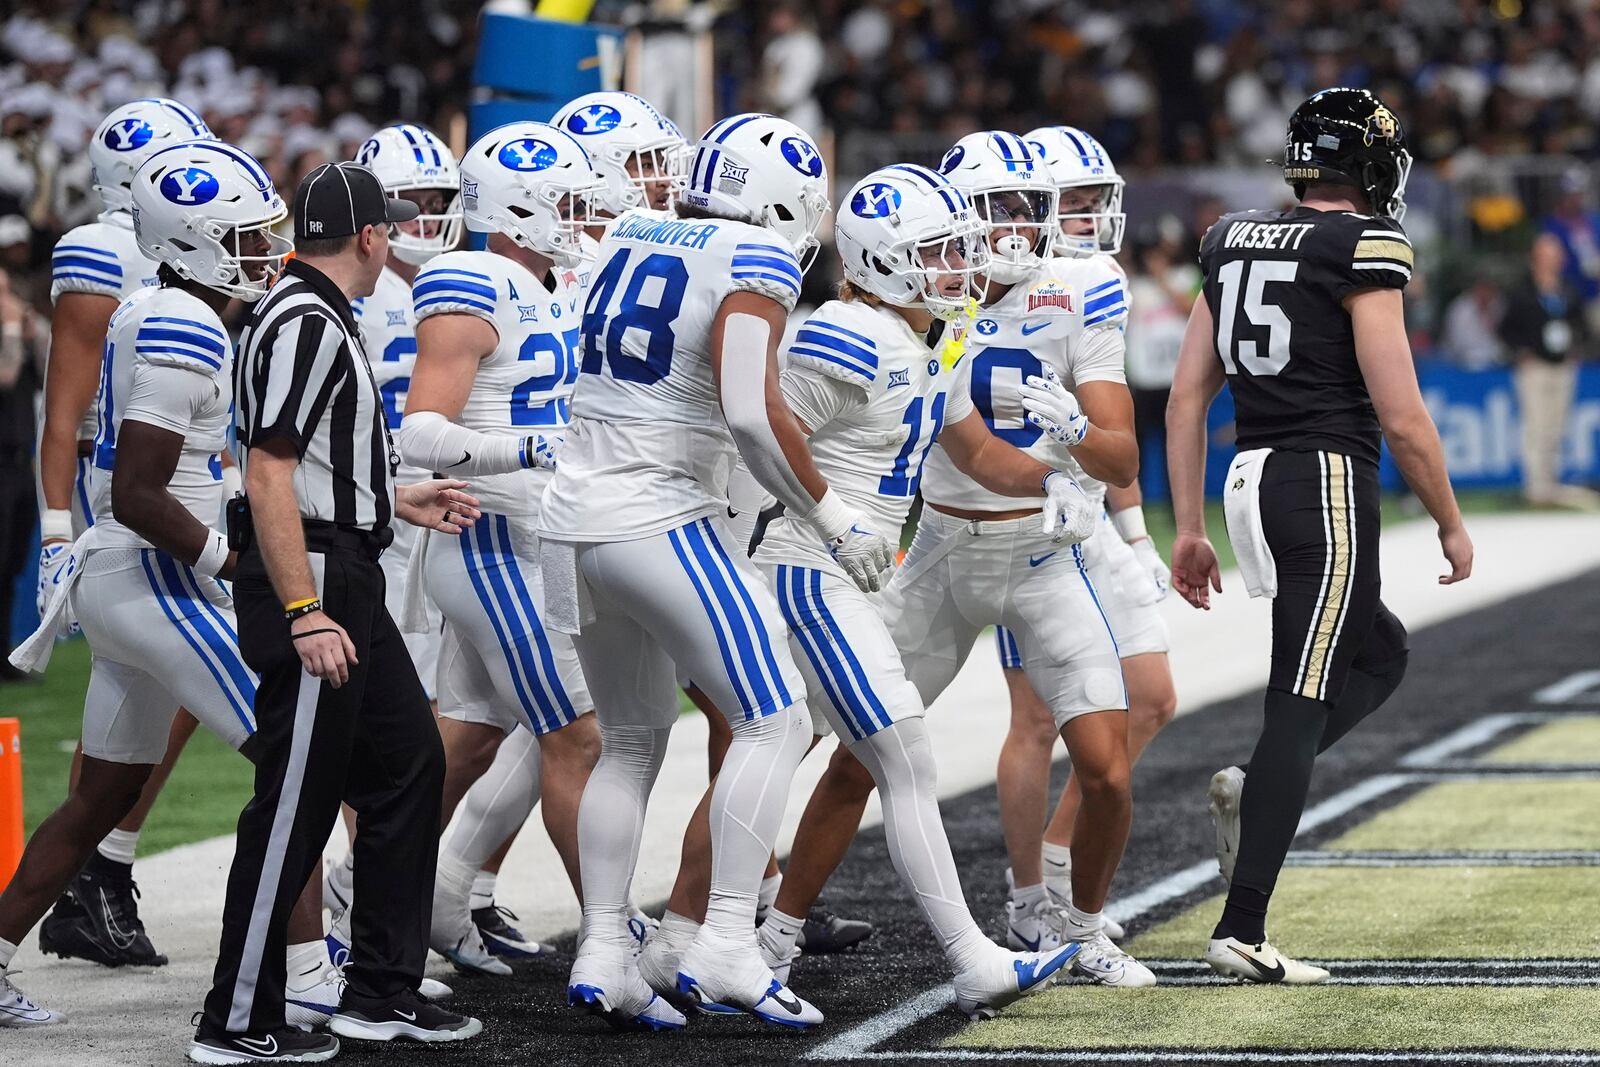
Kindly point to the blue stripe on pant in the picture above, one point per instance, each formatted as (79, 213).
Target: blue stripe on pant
(497, 580)
(217, 644)
(823, 640)
(1010, 654)
(1083, 572)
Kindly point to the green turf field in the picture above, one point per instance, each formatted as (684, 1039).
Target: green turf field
(1573, 740)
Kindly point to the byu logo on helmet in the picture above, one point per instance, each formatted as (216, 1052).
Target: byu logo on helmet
(368, 151)
(191, 185)
(952, 159)
(802, 156)
(876, 200)
(128, 134)
(527, 153)
(596, 118)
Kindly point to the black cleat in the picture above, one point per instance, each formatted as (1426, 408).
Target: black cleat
(109, 931)
(408, 1015)
(825, 932)
(287, 1045)
(503, 939)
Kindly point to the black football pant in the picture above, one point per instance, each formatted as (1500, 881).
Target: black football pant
(372, 742)
(1337, 654)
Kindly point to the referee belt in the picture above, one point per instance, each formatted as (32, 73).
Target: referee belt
(326, 537)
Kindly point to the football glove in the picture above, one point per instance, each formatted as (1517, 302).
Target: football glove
(1150, 557)
(540, 451)
(1053, 409)
(865, 556)
(55, 528)
(1069, 516)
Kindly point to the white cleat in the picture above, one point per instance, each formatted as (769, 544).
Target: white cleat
(434, 989)
(1232, 958)
(18, 1011)
(1102, 961)
(1061, 893)
(607, 984)
(641, 928)
(337, 887)
(1005, 977)
(1036, 927)
(1227, 785)
(658, 966)
(724, 978)
(310, 999)
(780, 966)
(468, 953)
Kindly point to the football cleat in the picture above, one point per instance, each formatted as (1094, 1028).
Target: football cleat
(1232, 958)
(721, 978)
(16, 1010)
(468, 953)
(287, 1045)
(641, 928)
(1063, 897)
(658, 966)
(1226, 787)
(780, 966)
(1002, 978)
(338, 887)
(101, 921)
(503, 939)
(434, 989)
(1036, 927)
(606, 983)
(825, 932)
(1101, 960)
(406, 1015)
(311, 998)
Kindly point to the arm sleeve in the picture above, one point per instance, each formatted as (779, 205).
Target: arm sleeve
(1376, 255)
(428, 440)
(744, 404)
(446, 288)
(765, 267)
(296, 376)
(167, 395)
(83, 268)
(819, 398)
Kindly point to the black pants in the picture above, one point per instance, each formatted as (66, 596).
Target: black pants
(19, 510)
(372, 742)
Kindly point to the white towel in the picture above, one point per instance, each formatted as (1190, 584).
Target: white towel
(34, 652)
(566, 601)
(1241, 506)
(418, 614)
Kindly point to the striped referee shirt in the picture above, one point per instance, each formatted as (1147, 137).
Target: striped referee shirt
(303, 376)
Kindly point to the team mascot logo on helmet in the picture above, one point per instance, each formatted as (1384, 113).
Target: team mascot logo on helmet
(1381, 125)
(527, 153)
(190, 186)
(876, 201)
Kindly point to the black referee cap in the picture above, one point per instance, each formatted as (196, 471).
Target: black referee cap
(338, 199)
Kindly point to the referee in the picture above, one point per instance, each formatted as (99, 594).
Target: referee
(340, 712)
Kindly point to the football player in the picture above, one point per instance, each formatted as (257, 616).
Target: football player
(94, 267)
(1302, 317)
(497, 338)
(144, 582)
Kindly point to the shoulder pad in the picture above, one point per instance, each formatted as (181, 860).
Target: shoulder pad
(85, 262)
(455, 282)
(762, 263)
(824, 344)
(181, 336)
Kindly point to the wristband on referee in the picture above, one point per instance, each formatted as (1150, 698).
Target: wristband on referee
(301, 608)
(1130, 524)
(214, 556)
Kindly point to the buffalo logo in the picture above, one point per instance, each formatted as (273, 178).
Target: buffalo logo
(876, 201)
(596, 118)
(527, 153)
(190, 186)
(802, 156)
(127, 135)
(1381, 125)
(952, 159)
(368, 152)
(1238, 484)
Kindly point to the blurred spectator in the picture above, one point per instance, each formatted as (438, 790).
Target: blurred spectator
(24, 337)
(790, 66)
(1471, 334)
(1542, 327)
(1161, 290)
(1577, 228)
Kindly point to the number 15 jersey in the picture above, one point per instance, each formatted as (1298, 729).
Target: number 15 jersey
(1276, 284)
(649, 450)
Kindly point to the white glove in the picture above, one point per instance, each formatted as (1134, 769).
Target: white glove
(1054, 410)
(1069, 517)
(55, 530)
(540, 451)
(865, 556)
(1150, 557)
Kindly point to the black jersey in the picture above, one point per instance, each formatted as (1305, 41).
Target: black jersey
(1276, 283)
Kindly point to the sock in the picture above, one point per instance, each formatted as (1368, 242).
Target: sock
(1269, 811)
(308, 957)
(498, 803)
(1027, 894)
(610, 825)
(779, 933)
(118, 846)
(7, 951)
(1084, 924)
(483, 890)
(670, 941)
(901, 762)
(746, 812)
(767, 894)
(1057, 861)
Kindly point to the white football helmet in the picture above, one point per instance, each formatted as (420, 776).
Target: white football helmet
(132, 134)
(1011, 192)
(408, 158)
(631, 145)
(207, 210)
(763, 170)
(905, 234)
(535, 184)
(1077, 161)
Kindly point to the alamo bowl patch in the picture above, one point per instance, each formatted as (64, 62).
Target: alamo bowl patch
(1050, 294)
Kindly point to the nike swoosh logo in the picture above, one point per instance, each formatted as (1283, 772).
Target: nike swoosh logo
(1031, 328)
(1032, 946)
(466, 457)
(267, 1046)
(1268, 974)
(732, 514)
(120, 939)
(408, 1016)
(774, 994)
(1034, 561)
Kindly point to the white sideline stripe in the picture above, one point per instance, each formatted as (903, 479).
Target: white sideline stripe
(1563, 691)
(1471, 735)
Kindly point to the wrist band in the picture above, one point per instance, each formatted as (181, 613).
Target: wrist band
(1044, 483)
(312, 633)
(1130, 523)
(301, 608)
(214, 556)
(55, 524)
(832, 517)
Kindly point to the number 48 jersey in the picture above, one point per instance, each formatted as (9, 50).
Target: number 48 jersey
(525, 385)
(1276, 284)
(649, 449)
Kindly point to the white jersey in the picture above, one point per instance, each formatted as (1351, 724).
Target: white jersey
(168, 363)
(525, 385)
(875, 397)
(389, 334)
(649, 450)
(100, 258)
(1041, 321)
